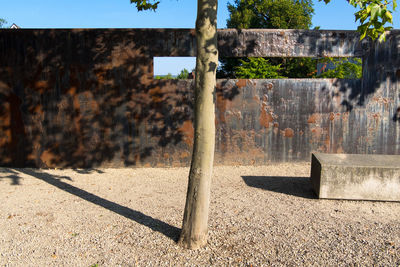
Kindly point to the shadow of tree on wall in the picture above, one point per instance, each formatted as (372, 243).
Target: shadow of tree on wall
(396, 116)
(345, 115)
(84, 98)
(87, 98)
(381, 62)
(371, 102)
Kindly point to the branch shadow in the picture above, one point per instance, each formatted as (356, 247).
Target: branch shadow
(166, 229)
(380, 63)
(396, 116)
(295, 186)
(10, 174)
(89, 99)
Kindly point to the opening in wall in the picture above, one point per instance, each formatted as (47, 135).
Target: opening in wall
(174, 67)
(280, 68)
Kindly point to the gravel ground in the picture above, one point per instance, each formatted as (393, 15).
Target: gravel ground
(260, 216)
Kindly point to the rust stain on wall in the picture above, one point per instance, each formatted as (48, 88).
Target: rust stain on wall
(89, 99)
(288, 132)
(313, 118)
(331, 116)
(265, 117)
(317, 132)
(241, 83)
(269, 86)
(188, 132)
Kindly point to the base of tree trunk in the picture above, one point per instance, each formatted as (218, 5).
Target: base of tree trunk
(195, 243)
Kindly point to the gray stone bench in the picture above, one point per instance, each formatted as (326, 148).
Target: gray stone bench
(354, 176)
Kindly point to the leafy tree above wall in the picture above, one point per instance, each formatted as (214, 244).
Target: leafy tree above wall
(2, 22)
(342, 68)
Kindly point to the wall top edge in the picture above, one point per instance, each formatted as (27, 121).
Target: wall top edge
(188, 29)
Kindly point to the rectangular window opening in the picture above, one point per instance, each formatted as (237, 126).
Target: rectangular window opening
(174, 67)
(281, 68)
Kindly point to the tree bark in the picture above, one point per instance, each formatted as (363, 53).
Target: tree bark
(195, 220)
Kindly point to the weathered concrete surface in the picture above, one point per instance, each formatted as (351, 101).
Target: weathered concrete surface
(356, 176)
(291, 43)
(287, 119)
(87, 98)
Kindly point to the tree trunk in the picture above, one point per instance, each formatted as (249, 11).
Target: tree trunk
(195, 219)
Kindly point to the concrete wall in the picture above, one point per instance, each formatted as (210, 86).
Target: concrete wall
(87, 98)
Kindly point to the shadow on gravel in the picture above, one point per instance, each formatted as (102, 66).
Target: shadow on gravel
(154, 224)
(295, 186)
(10, 174)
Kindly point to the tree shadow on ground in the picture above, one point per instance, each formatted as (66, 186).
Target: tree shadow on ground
(295, 186)
(166, 229)
(10, 174)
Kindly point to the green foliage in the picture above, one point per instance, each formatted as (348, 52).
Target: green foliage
(288, 67)
(145, 4)
(169, 76)
(270, 14)
(296, 67)
(254, 68)
(226, 67)
(282, 14)
(183, 75)
(344, 68)
(2, 22)
(257, 67)
(373, 16)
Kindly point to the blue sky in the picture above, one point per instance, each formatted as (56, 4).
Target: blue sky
(171, 14)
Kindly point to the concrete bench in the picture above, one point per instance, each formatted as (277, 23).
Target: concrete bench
(357, 177)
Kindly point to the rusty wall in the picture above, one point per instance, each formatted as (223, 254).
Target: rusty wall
(87, 98)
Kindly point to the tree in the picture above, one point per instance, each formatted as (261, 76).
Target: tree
(2, 22)
(373, 17)
(184, 74)
(270, 14)
(257, 68)
(195, 219)
(169, 76)
(342, 68)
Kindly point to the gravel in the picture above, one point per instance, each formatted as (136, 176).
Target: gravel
(259, 216)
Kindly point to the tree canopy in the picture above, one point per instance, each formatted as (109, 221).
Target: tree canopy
(270, 14)
(374, 15)
(145, 4)
(342, 68)
(257, 68)
(184, 74)
(2, 22)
